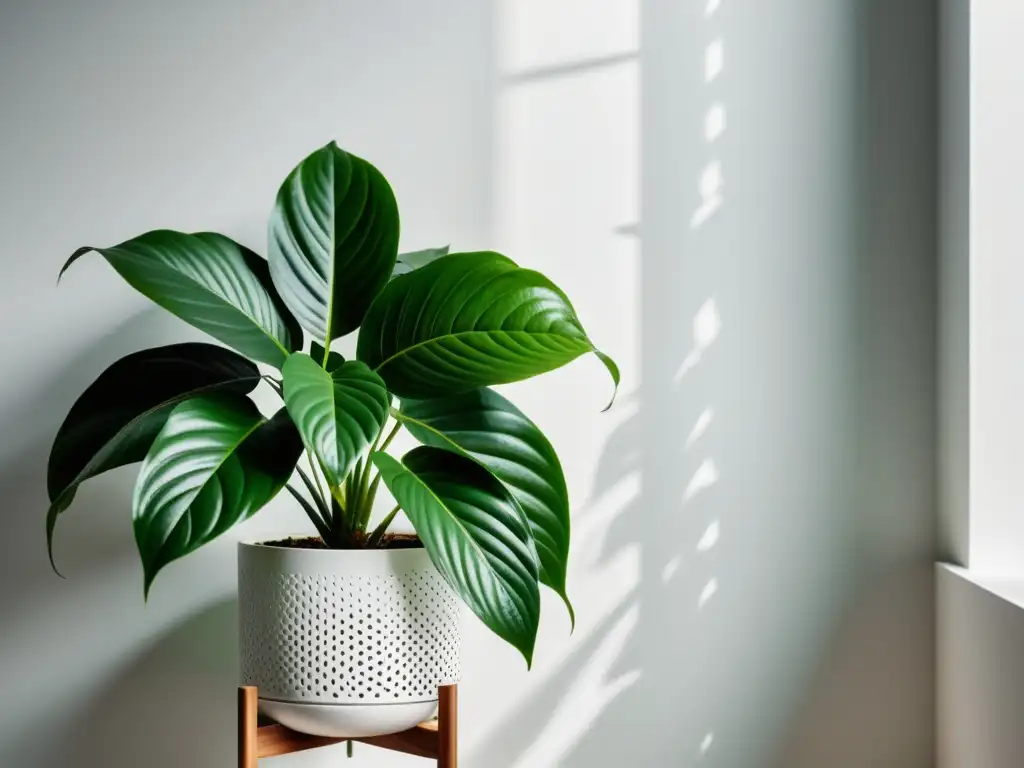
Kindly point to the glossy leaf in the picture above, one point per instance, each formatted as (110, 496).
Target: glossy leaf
(208, 281)
(338, 413)
(488, 428)
(407, 262)
(333, 240)
(116, 419)
(215, 463)
(261, 269)
(470, 320)
(475, 535)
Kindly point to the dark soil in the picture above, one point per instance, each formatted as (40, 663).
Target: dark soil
(390, 541)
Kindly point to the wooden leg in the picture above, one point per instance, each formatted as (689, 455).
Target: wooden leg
(248, 704)
(448, 726)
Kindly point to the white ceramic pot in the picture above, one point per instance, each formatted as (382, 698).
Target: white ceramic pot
(345, 642)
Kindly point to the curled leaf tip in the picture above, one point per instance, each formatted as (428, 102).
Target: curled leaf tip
(53, 566)
(613, 370)
(72, 259)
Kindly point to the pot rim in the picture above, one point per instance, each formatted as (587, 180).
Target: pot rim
(333, 556)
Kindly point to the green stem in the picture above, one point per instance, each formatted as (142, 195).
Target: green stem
(316, 476)
(317, 495)
(382, 528)
(327, 351)
(352, 482)
(311, 513)
(275, 385)
(390, 437)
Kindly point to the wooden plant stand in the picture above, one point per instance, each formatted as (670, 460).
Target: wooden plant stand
(435, 739)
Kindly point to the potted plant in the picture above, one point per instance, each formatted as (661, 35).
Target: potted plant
(347, 633)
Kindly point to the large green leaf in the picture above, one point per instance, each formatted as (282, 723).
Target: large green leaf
(470, 320)
(475, 535)
(407, 262)
(208, 281)
(338, 413)
(488, 428)
(333, 240)
(216, 462)
(116, 419)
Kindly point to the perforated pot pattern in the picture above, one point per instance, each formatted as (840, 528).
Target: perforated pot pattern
(345, 627)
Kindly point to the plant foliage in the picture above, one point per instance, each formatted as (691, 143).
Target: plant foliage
(485, 491)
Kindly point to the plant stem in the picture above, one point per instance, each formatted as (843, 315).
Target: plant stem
(327, 352)
(390, 437)
(352, 495)
(366, 508)
(274, 385)
(382, 528)
(321, 503)
(311, 513)
(319, 488)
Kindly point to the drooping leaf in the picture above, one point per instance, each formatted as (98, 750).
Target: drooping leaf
(333, 240)
(475, 535)
(207, 280)
(215, 463)
(470, 320)
(486, 427)
(338, 413)
(407, 262)
(116, 419)
(334, 359)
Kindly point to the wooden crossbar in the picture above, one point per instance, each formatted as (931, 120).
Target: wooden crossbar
(436, 739)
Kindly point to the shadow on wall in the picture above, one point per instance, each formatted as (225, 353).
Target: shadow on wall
(184, 673)
(27, 437)
(781, 437)
(172, 705)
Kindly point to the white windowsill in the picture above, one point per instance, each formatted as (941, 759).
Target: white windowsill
(1008, 588)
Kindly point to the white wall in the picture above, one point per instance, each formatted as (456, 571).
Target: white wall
(753, 521)
(981, 680)
(996, 313)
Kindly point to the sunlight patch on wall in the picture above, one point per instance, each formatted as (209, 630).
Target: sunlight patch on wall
(714, 60)
(700, 426)
(593, 689)
(705, 477)
(709, 591)
(714, 122)
(710, 536)
(553, 33)
(670, 569)
(707, 324)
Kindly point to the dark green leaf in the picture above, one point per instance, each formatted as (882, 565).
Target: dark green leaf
(215, 463)
(407, 262)
(475, 535)
(261, 269)
(333, 240)
(485, 426)
(334, 359)
(206, 280)
(469, 320)
(338, 413)
(116, 419)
